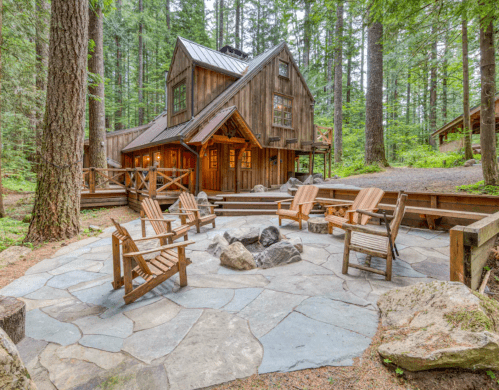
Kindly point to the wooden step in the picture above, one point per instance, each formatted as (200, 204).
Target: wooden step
(242, 212)
(251, 205)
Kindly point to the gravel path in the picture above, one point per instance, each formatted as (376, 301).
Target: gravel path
(417, 179)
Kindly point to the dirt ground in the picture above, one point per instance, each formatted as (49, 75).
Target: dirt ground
(417, 179)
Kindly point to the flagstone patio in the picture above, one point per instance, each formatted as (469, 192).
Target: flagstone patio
(225, 325)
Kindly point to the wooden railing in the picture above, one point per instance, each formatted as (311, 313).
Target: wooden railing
(150, 181)
(324, 134)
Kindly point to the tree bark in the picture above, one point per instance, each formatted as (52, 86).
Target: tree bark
(2, 209)
(467, 131)
(487, 115)
(96, 110)
(349, 57)
(445, 76)
(57, 201)
(140, 78)
(362, 61)
(306, 35)
(216, 24)
(375, 146)
(42, 58)
(330, 88)
(118, 114)
(338, 85)
(238, 17)
(408, 99)
(433, 84)
(221, 25)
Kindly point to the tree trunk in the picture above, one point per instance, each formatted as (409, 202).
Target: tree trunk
(57, 201)
(349, 57)
(96, 110)
(168, 17)
(2, 209)
(467, 130)
(140, 60)
(216, 24)
(118, 114)
(375, 146)
(445, 75)
(362, 61)
(221, 25)
(338, 85)
(330, 68)
(42, 58)
(487, 116)
(408, 99)
(433, 84)
(306, 35)
(238, 17)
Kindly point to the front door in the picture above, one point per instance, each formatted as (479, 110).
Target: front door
(211, 167)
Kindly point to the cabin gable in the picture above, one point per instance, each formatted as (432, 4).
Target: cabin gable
(208, 84)
(180, 74)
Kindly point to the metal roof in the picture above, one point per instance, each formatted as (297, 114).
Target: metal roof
(157, 126)
(204, 55)
(212, 125)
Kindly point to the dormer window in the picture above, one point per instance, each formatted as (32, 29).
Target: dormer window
(283, 69)
(179, 97)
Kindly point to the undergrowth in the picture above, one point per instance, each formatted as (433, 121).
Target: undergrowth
(12, 232)
(424, 156)
(479, 188)
(18, 183)
(355, 167)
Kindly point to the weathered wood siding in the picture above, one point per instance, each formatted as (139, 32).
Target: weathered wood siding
(208, 84)
(181, 69)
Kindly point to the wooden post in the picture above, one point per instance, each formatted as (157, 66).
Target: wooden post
(279, 166)
(118, 282)
(310, 164)
(329, 162)
(153, 173)
(192, 179)
(325, 165)
(182, 266)
(91, 180)
(457, 254)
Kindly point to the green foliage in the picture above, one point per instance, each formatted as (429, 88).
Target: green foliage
(355, 167)
(424, 156)
(13, 183)
(12, 232)
(479, 188)
(399, 371)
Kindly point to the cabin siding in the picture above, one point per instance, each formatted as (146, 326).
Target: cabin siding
(181, 69)
(208, 84)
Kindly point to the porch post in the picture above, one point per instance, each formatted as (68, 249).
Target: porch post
(310, 164)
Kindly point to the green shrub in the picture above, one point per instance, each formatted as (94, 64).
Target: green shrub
(12, 232)
(17, 184)
(354, 167)
(424, 156)
(479, 188)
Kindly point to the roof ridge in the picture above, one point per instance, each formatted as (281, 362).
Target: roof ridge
(213, 50)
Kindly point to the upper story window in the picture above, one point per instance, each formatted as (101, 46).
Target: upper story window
(213, 159)
(282, 111)
(246, 160)
(283, 69)
(179, 97)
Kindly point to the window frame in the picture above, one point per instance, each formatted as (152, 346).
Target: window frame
(282, 111)
(232, 153)
(280, 61)
(245, 161)
(213, 153)
(174, 88)
(139, 160)
(146, 157)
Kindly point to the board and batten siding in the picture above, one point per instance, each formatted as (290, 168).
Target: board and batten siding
(208, 84)
(181, 69)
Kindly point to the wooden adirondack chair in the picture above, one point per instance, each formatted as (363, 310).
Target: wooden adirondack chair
(367, 199)
(374, 242)
(300, 206)
(154, 271)
(160, 224)
(189, 207)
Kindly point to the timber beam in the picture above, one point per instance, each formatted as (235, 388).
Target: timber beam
(274, 139)
(291, 141)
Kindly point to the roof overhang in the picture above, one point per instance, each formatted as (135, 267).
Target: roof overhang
(208, 131)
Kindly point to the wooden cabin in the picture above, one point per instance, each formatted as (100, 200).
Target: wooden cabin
(456, 125)
(236, 122)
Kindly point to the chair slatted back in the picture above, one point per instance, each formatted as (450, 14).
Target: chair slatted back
(188, 201)
(367, 199)
(129, 246)
(304, 194)
(398, 214)
(152, 210)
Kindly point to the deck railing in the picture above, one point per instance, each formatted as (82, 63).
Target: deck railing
(150, 181)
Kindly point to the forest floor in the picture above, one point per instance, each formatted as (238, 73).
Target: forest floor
(417, 179)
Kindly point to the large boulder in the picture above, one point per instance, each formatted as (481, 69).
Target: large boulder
(470, 163)
(297, 243)
(13, 373)
(238, 257)
(203, 202)
(174, 208)
(245, 236)
(259, 188)
(309, 180)
(439, 325)
(293, 182)
(270, 235)
(278, 254)
(217, 246)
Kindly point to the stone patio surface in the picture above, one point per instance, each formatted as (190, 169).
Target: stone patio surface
(224, 325)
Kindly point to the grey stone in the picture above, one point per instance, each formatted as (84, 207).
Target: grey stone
(102, 279)
(341, 314)
(50, 264)
(298, 268)
(259, 188)
(399, 267)
(29, 349)
(309, 180)
(469, 163)
(434, 268)
(71, 278)
(25, 285)
(174, 208)
(254, 248)
(293, 182)
(218, 349)
(244, 235)
(317, 225)
(311, 285)
(72, 309)
(242, 298)
(228, 281)
(314, 254)
(104, 343)
(148, 345)
(268, 309)
(101, 242)
(77, 247)
(411, 255)
(217, 246)
(201, 298)
(435, 253)
(348, 297)
(270, 235)
(278, 254)
(202, 201)
(48, 293)
(236, 256)
(152, 315)
(40, 326)
(202, 263)
(297, 243)
(439, 325)
(78, 264)
(12, 254)
(115, 326)
(94, 228)
(299, 342)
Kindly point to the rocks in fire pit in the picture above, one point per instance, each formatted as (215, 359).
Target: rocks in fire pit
(270, 235)
(245, 236)
(217, 246)
(297, 243)
(277, 254)
(237, 256)
(317, 225)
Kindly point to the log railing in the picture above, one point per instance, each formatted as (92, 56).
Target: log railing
(150, 181)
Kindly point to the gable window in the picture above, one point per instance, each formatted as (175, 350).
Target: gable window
(179, 97)
(232, 158)
(246, 160)
(213, 159)
(282, 111)
(283, 69)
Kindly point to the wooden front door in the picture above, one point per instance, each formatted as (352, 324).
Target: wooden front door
(211, 168)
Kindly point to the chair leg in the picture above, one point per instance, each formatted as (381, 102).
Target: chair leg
(127, 274)
(198, 227)
(280, 222)
(330, 228)
(143, 223)
(116, 263)
(346, 252)
(186, 237)
(214, 226)
(182, 267)
(388, 276)
(299, 223)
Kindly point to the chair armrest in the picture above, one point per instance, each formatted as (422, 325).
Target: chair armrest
(177, 213)
(283, 200)
(159, 249)
(306, 203)
(364, 229)
(374, 215)
(338, 205)
(153, 237)
(189, 209)
(206, 205)
(157, 219)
